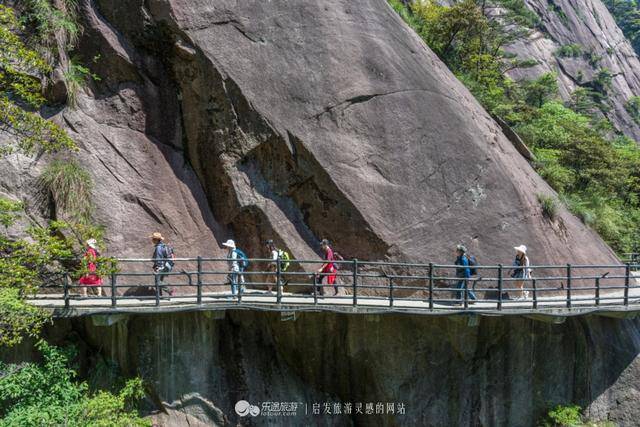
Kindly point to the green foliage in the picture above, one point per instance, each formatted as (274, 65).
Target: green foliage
(602, 82)
(9, 210)
(37, 260)
(570, 51)
(563, 416)
(48, 394)
(633, 108)
(19, 318)
(597, 175)
(76, 77)
(537, 92)
(627, 16)
(549, 206)
(71, 188)
(520, 13)
(21, 70)
(51, 25)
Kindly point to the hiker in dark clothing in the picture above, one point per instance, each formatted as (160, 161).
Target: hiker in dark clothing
(464, 273)
(162, 262)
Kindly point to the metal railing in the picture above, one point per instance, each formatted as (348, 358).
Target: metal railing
(383, 284)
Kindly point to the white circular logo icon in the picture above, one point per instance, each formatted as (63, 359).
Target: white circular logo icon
(244, 408)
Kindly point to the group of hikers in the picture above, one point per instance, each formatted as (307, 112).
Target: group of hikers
(163, 259)
(467, 263)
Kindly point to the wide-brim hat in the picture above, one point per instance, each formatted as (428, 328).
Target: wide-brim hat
(521, 248)
(156, 236)
(92, 243)
(230, 244)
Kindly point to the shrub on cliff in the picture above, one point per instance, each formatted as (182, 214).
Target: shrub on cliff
(48, 394)
(578, 152)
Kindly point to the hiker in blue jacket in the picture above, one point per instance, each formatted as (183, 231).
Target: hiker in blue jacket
(464, 273)
(237, 264)
(163, 262)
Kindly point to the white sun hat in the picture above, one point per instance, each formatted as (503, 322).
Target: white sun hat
(521, 248)
(230, 244)
(92, 243)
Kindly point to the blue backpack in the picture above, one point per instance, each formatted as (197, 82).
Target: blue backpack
(473, 263)
(243, 261)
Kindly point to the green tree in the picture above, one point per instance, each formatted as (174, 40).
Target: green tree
(48, 394)
(21, 73)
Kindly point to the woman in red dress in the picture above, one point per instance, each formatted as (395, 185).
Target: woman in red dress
(91, 278)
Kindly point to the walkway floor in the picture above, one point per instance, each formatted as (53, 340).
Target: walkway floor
(582, 303)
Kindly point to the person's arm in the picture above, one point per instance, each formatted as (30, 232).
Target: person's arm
(326, 264)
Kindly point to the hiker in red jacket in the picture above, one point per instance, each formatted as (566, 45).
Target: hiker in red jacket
(328, 269)
(91, 278)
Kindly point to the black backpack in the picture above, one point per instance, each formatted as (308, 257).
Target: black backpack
(169, 255)
(472, 265)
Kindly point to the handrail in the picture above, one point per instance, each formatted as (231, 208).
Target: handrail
(392, 285)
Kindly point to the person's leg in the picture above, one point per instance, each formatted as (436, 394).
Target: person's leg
(99, 289)
(241, 284)
(163, 288)
(472, 294)
(84, 290)
(331, 280)
(271, 278)
(234, 282)
(460, 287)
(520, 286)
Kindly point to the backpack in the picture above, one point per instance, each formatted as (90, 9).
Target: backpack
(284, 259)
(337, 257)
(472, 264)
(244, 261)
(169, 256)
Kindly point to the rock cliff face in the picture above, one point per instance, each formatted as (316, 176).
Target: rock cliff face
(504, 371)
(302, 120)
(298, 121)
(588, 24)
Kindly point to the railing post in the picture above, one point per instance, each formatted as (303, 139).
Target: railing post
(157, 281)
(568, 285)
(466, 294)
(627, 273)
(113, 289)
(597, 291)
(500, 273)
(315, 288)
(278, 287)
(390, 292)
(65, 284)
(430, 286)
(535, 293)
(199, 281)
(355, 281)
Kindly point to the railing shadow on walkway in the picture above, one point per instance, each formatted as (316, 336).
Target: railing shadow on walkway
(359, 283)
